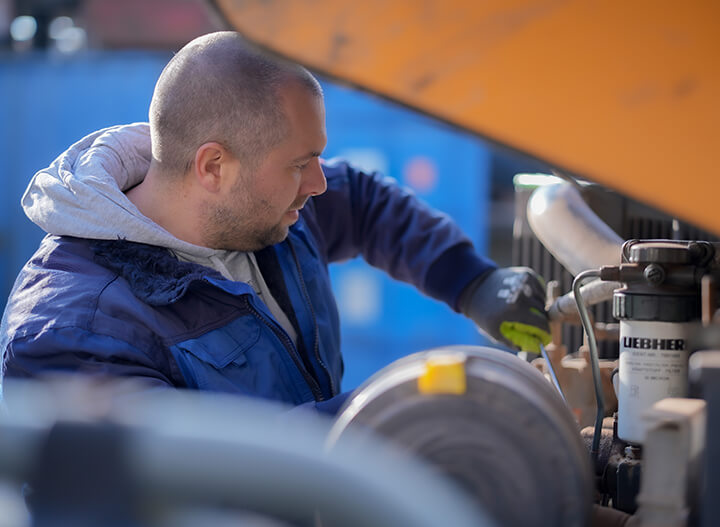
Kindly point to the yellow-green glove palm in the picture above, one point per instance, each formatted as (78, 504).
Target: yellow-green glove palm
(508, 305)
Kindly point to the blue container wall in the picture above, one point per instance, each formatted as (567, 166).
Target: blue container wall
(47, 103)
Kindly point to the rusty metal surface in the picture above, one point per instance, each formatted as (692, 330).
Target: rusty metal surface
(623, 93)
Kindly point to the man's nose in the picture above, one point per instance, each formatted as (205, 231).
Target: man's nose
(314, 182)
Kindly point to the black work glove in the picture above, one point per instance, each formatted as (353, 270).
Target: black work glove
(508, 305)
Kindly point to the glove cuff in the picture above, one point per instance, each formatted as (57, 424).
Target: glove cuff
(449, 275)
(465, 299)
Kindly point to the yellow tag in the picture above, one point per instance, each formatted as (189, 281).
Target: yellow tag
(444, 374)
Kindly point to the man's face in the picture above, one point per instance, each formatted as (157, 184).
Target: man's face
(264, 202)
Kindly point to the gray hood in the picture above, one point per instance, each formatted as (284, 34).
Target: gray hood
(81, 193)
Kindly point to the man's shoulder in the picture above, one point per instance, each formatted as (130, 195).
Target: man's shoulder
(63, 254)
(59, 286)
(67, 276)
(62, 263)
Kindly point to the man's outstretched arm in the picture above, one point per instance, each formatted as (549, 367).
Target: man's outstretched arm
(371, 215)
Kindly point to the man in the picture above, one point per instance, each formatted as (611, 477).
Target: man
(193, 252)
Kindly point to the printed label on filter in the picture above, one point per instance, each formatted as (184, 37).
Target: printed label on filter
(653, 366)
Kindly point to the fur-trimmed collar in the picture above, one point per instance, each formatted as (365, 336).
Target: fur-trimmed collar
(155, 275)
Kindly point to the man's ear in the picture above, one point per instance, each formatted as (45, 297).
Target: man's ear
(211, 166)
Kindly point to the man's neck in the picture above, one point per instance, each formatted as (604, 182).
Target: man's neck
(168, 204)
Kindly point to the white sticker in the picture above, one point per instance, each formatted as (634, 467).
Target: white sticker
(653, 366)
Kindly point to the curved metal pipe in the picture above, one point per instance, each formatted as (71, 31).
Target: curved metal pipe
(565, 307)
(570, 230)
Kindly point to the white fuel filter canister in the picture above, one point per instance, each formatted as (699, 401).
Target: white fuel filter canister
(657, 307)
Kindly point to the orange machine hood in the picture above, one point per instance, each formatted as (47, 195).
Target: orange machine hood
(621, 93)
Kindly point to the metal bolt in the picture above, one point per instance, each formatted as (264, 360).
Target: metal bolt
(654, 274)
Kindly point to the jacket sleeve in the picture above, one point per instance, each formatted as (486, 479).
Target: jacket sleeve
(73, 349)
(372, 216)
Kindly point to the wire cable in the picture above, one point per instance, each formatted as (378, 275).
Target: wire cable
(551, 369)
(594, 361)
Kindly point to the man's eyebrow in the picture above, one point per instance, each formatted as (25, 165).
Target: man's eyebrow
(307, 156)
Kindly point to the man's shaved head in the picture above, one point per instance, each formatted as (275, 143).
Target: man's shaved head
(218, 89)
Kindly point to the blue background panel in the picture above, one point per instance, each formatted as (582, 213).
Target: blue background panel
(48, 102)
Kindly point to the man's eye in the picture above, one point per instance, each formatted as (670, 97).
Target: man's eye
(303, 166)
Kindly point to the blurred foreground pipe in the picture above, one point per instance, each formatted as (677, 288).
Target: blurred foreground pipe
(201, 449)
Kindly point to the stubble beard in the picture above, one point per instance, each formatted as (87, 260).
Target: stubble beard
(228, 230)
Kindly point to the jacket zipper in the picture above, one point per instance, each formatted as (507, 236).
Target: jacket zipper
(290, 347)
(316, 340)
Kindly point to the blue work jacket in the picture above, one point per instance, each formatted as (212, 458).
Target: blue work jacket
(127, 309)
